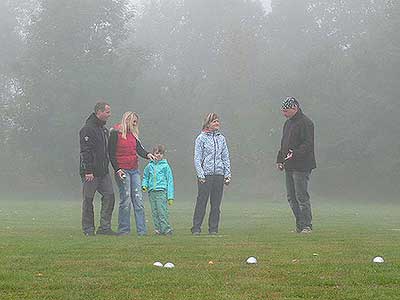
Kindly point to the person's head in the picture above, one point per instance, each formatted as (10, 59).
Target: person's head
(159, 150)
(130, 123)
(290, 106)
(102, 110)
(211, 122)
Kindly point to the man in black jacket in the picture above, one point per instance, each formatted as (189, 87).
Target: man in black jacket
(94, 163)
(296, 156)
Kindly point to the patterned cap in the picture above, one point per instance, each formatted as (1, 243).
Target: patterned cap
(289, 102)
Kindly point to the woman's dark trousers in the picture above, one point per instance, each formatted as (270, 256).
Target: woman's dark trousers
(213, 189)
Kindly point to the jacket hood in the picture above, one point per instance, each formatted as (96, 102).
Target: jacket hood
(95, 121)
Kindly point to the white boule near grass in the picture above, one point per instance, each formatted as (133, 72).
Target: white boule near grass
(158, 264)
(169, 265)
(251, 260)
(378, 259)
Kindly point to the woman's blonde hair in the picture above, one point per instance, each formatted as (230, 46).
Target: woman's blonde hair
(208, 119)
(127, 124)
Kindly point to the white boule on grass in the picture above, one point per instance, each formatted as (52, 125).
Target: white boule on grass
(251, 260)
(169, 265)
(158, 264)
(378, 259)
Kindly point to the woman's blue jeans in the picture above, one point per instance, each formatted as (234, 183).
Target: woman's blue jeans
(130, 193)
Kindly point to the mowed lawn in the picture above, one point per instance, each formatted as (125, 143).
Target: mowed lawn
(43, 254)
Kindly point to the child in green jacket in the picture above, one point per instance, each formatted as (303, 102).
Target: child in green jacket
(158, 181)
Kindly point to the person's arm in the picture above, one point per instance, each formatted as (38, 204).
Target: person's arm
(170, 183)
(87, 148)
(307, 137)
(140, 150)
(225, 160)
(112, 149)
(198, 156)
(145, 181)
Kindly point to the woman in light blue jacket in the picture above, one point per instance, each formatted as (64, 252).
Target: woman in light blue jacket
(211, 160)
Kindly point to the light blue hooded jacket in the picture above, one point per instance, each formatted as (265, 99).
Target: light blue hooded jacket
(211, 155)
(157, 176)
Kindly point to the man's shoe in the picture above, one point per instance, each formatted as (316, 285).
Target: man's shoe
(306, 230)
(213, 233)
(196, 232)
(106, 232)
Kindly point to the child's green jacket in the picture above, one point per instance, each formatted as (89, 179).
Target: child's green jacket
(157, 176)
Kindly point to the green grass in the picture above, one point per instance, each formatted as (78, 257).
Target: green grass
(43, 255)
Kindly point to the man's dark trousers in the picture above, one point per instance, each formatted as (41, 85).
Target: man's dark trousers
(103, 185)
(298, 197)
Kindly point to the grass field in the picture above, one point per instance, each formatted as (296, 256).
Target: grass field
(43, 255)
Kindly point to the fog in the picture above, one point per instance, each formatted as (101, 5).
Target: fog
(173, 61)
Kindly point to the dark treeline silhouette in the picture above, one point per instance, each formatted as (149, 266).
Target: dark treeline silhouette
(173, 61)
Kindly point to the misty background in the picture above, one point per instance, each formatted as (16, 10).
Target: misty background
(172, 61)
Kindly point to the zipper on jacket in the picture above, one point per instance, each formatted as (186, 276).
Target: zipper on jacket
(155, 177)
(215, 151)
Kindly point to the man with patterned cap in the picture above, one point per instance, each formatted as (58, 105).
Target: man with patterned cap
(296, 157)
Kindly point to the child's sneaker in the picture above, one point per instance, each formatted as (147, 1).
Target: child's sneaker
(157, 232)
(169, 232)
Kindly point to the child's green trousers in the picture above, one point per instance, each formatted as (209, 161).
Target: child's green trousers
(159, 209)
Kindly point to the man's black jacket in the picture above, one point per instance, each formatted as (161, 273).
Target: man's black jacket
(298, 135)
(94, 147)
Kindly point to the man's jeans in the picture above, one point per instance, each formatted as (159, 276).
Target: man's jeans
(103, 185)
(213, 188)
(130, 193)
(298, 197)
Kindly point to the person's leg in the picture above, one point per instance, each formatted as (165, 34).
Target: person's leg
(137, 201)
(291, 197)
(155, 211)
(201, 203)
(162, 204)
(124, 207)
(216, 193)
(105, 188)
(301, 185)
(88, 190)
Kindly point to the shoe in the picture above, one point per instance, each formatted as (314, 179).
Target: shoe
(90, 233)
(157, 232)
(123, 233)
(306, 230)
(213, 233)
(106, 232)
(196, 232)
(169, 232)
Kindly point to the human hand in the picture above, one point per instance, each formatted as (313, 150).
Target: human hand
(289, 155)
(202, 180)
(280, 166)
(121, 174)
(89, 177)
(151, 156)
(227, 180)
(170, 202)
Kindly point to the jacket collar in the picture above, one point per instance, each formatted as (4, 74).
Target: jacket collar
(215, 132)
(297, 115)
(95, 121)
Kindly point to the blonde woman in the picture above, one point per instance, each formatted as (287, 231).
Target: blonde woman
(124, 148)
(213, 168)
